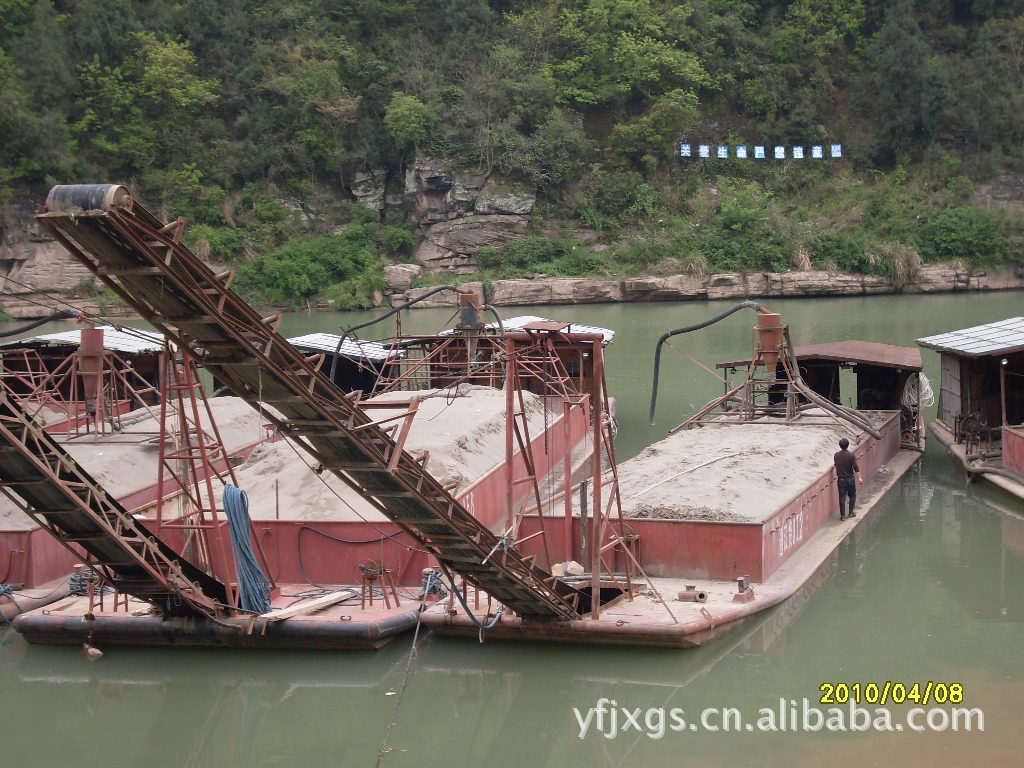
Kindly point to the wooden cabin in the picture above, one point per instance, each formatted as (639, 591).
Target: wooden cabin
(981, 381)
(981, 397)
(883, 373)
(355, 364)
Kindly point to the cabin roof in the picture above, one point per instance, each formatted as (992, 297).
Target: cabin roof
(328, 342)
(131, 340)
(997, 338)
(857, 352)
(520, 323)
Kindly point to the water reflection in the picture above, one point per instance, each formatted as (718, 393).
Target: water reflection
(928, 589)
(925, 591)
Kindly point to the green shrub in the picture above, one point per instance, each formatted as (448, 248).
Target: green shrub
(740, 237)
(842, 252)
(640, 252)
(966, 233)
(615, 199)
(348, 263)
(219, 243)
(562, 256)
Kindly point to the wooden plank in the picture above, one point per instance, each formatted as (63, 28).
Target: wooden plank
(308, 606)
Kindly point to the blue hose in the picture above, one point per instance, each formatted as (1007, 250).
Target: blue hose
(6, 590)
(253, 584)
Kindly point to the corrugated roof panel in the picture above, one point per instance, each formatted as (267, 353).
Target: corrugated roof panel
(328, 342)
(990, 339)
(130, 340)
(519, 323)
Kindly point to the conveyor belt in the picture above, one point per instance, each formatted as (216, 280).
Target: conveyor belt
(72, 506)
(143, 260)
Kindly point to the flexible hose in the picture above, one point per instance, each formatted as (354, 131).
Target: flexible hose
(481, 626)
(688, 329)
(385, 316)
(983, 469)
(494, 311)
(253, 585)
(64, 314)
(848, 414)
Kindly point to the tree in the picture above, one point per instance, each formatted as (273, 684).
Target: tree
(906, 83)
(614, 50)
(986, 94)
(407, 119)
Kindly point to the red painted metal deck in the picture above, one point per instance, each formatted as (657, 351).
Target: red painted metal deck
(1013, 448)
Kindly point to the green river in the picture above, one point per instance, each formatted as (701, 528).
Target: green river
(930, 590)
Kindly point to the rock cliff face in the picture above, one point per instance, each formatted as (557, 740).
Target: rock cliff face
(459, 212)
(932, 278)
(37, 276)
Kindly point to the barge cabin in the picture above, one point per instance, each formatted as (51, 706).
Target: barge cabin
(980, 419)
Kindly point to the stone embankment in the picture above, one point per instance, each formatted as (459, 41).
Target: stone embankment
(931, 278)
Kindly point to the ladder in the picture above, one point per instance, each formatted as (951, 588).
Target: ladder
(144, 261)
(46, 482)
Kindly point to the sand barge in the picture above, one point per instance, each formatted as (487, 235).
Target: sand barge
(461, 431)
(730, 473)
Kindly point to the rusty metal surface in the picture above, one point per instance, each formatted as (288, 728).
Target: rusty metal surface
(50, 486)
(852, 351)
(145, 263)
(1013, 448)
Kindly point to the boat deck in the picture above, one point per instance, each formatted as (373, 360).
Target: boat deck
(644, 621)
(957, 451)
(326, 621)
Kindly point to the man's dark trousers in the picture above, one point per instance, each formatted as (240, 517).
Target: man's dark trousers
(847, 487)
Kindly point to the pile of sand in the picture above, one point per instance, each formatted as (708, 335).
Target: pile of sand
(463, 433)
(128, 460)
(734, 472)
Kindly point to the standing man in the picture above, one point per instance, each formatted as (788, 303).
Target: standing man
(846, 469)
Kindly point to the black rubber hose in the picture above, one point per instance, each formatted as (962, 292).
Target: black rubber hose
(399, 308)
(748, 304)
(64, 314)
(494, 311)
(984, 469)
(385, 316)
(851, 415)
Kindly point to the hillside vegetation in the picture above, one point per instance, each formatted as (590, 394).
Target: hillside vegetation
(245, 116)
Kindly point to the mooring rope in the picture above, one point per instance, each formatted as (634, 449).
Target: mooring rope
(428, 585)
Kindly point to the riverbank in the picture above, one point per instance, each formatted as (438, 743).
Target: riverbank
(931, 278)
(33, 293)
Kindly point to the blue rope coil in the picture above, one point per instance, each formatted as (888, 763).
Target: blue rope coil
(253, 584)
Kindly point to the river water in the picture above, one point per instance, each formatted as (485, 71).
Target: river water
(929, 590)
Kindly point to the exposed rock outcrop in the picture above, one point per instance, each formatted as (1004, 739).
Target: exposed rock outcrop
(400, 276)
(449, 245)
(368, 188)
(459, 212)
(37, 274)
